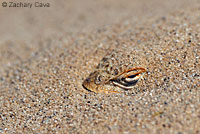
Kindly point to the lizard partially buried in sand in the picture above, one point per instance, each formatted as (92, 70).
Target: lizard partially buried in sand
(115, 69)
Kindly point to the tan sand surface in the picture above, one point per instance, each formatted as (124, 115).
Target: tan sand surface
(45, 54)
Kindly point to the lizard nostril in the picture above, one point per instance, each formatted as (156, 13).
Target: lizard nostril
(88, 80)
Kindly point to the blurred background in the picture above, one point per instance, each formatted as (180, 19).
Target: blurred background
(71, 16)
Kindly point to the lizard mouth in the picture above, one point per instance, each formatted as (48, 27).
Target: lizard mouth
(86, 88)
(89, 85)
(86, 83)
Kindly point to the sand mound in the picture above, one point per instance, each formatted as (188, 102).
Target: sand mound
(41, 80)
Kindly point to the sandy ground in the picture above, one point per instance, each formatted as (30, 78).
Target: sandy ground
(46, 54)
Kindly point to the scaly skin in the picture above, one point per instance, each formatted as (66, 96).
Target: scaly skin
(115, 69)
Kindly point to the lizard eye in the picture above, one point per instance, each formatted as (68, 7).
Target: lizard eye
(129, 77)
(98, 79)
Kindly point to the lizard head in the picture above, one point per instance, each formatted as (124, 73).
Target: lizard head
(96, 80)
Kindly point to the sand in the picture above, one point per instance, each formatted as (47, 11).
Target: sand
(42, 68)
